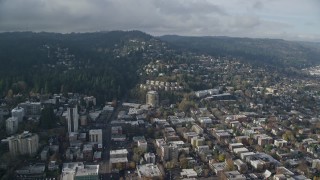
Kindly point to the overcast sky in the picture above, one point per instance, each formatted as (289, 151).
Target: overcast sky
(285, 19)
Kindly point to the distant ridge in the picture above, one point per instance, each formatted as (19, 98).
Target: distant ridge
(277, 52)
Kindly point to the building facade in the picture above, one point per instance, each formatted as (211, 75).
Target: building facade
(73, 119)
(23, 144)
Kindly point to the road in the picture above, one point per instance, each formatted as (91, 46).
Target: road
(105, 168)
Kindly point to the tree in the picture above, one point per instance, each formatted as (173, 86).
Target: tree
(132, 165)
(185, 105)
(137, 153)
(47, 118)
(221, 157)
(229, 165)
(288, 136)
(119, 166)
(184, 163)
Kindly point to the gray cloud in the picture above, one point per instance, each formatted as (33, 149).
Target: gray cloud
(185, 17)
(257, 5)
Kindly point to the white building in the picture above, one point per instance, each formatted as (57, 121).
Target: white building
(18, 112)
(73, 119)
(77, 170)
(12, 125)
(95, 135)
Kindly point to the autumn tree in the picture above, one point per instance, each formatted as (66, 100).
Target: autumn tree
(229, 164)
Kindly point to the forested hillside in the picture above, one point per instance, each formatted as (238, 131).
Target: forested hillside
(274, 52)
(102, 64)
(107, 64)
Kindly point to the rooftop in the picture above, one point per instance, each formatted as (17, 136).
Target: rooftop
(88, 170)
(119, 151)
(95, 131)
(149, 170)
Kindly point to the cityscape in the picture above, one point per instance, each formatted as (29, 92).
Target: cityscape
(159, 90)
(255, 123)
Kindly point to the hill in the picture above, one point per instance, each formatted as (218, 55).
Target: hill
(107, 64)
(103, 64)
(274, 52)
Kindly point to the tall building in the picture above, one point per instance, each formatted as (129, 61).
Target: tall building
(18, 112)
(23, 144)
(152, 98)
(95, 135)
(73, 119)
(12, 125)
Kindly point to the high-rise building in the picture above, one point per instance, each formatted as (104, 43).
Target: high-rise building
(23, 144)
(18, 112)
(12, 125)
(152, 98)
(73, 119)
